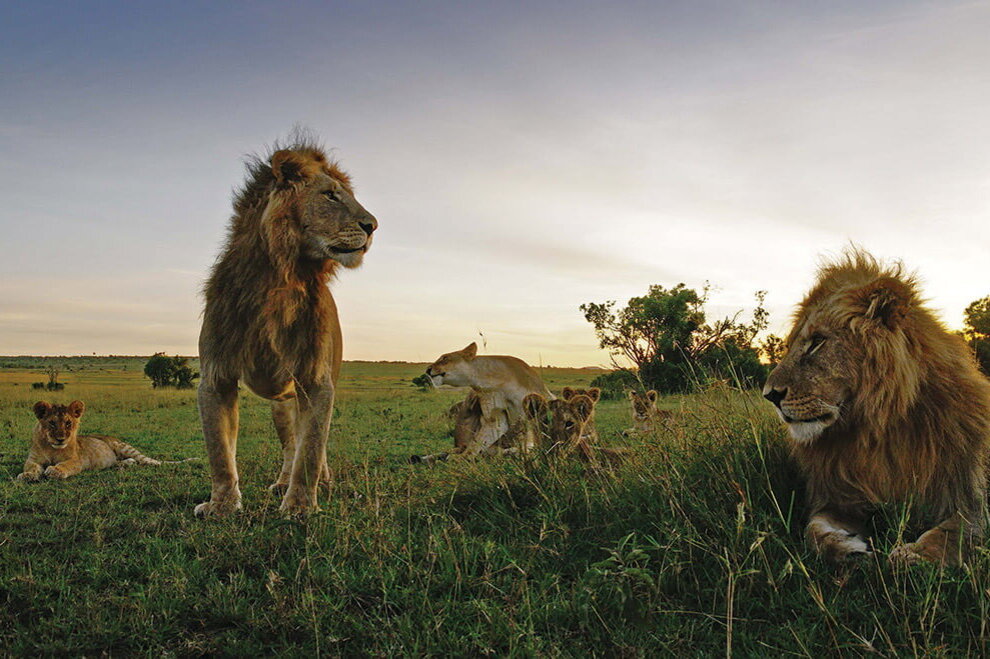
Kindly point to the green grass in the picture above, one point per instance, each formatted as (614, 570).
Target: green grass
(692, 548)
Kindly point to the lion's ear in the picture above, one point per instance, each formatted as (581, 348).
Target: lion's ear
(471, 351)
(595, 394)
(886, 301)
(41, 408)
(566, 393)
(288, 167)
(652, 395)
(631, 394)
(76, 408)
(534, 406)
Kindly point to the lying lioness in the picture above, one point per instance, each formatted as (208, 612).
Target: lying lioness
(59, 451)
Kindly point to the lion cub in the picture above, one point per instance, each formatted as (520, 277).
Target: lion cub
(59, 451)
(647, 417)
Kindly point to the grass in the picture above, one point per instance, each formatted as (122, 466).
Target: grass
(694, 548)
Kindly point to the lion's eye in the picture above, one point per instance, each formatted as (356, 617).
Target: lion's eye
(569, 425)
(331, 195)
(816, 342)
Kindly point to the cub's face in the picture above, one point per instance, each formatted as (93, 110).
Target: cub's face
(332, 223)
(569, 417)
(644, 406)
(813, 380)
(59, 423)
(454, 368)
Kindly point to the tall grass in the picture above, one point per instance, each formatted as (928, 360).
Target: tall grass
(693, 547)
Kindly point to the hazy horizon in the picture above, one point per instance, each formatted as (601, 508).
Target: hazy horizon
(521, 158)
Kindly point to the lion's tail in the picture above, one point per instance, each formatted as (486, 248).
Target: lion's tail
(125, 451)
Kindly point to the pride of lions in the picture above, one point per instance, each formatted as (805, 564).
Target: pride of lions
(882, 403)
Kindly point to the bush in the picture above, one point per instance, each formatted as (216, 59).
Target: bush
(167, 371)
(37, 385)
(615, 384)
(423, 382)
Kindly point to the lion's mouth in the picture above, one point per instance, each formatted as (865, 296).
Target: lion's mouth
(822, 418)
(341, 250)
(59, 444)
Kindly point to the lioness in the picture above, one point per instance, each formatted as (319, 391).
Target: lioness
(883, 404)
(271, 322)
(59, 451)
(499, 382)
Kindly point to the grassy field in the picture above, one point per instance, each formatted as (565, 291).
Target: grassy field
(694, 548)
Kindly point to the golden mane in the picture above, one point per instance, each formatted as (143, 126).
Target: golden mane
(275, 288)
(918, 421)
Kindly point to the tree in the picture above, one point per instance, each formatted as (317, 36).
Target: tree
(773, 348)
(666, 335)
(977, 331)
(166, 371)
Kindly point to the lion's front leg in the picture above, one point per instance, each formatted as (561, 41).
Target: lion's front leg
(33, 470)
(837, 539)
(63, 470)
(309, 465)
(219, 415)
(946, 544)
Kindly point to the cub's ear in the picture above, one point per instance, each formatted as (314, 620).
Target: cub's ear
(41, 408)
(886, 301)
(76, 408)
(567, 393)
(631, 394)
(583, 406)
(288, 167)
(652, 395)
(471, 351)
(534, 406)
(595, 394)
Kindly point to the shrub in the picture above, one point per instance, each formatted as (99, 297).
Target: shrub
(615, 384)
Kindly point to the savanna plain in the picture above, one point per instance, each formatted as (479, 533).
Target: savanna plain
(693, 547)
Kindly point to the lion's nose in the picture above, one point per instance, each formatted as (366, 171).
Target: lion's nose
(369, 225)
(775, 396)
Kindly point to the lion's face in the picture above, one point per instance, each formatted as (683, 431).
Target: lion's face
(569, 417)
(59, 423)
(333, 225)
(644, 406)
(454, 368)
(815, 379)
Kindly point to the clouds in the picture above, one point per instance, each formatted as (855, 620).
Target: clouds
(522, 160)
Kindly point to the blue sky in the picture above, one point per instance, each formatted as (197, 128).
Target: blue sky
(522, 158)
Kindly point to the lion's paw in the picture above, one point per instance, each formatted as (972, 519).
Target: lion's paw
(29, 476)
(56, 473)
(907, 554)
(220, 508)
(298, 504)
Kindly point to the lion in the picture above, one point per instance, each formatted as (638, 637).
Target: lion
(589, 431)
(58, 451)
(487, 421)
(647, 417)
(883, 404)
(271, 322)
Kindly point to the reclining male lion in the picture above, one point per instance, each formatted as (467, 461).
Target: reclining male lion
(883, 405)
(271, 322)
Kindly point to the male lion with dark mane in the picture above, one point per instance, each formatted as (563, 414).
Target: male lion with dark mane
(271, 322)
(883, 404)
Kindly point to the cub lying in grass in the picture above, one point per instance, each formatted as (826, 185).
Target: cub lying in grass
(59, 451)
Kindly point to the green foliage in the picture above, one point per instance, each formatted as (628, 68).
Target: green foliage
(977, 331)
(772, 348)
(666, 334)
(165, 371)
(615, 384)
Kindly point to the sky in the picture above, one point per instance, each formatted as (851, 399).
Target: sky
(522, 158)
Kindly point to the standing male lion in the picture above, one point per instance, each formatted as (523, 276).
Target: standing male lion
(883, 405)
(271, 322)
